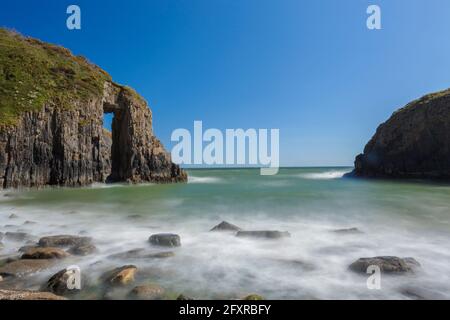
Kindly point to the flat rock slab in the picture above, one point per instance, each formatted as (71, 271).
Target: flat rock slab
(165, 239)
(226, 226)
(64, 241)
(120, 276)
(264, 234)
(28, 295)
(23, 267)
(45, 253)
(387, 264)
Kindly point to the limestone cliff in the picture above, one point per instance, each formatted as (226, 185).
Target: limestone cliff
(413, 143)
(51, 122)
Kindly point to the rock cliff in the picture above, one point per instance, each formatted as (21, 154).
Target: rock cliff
(51, 122)
(413, 143)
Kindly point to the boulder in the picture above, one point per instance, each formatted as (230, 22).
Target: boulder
(267, 234)
(226, 226)
(147, 292)
(165, 239)
(25, 248)
(58, 283)
(64, 241)
(24, 267)
(83, 250)
(45, 253)
(387, 264)
(120, 276)
(27, 295)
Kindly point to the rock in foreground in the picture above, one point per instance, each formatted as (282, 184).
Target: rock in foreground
(147, 292)
(413, 143)
(387, 264)
(267, 234)
(165, 239)
(27, 295)
(120, 276)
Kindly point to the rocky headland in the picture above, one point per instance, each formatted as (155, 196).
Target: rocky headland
(51, 122)
(413, 143)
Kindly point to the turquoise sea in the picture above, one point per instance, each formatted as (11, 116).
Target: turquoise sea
(405, 219)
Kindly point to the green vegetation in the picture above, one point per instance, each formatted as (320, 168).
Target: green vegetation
(33, 73)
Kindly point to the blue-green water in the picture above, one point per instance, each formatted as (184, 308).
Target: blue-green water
(406, 219)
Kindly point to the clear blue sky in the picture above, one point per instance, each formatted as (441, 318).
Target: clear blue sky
(308, 67)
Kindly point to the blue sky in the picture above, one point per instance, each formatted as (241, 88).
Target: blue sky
(310, 68)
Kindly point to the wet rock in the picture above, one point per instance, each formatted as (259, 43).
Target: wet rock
(297, 264)
(45, 253)
(13, 216)
(24, 249)
(27, 295)
(267, 234)
(160, 255)
(120, 276)
(386, 264)
(29, 222)
(182, 297)
(17, 236)
(58, 283)
(226, 226)
(64, 241)
(147, 292)
(165, 239)
(253, 297)
(348, 231)
(83, 250)
(23, 267)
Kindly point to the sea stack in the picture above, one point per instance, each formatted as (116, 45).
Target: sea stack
(413, 143)
(51, 122)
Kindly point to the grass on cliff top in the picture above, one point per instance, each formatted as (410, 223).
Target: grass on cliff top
(33, 72)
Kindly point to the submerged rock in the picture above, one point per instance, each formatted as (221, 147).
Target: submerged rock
(23, 267)
(165, 239)
(83, 250)
(45, 253)
(226, 226)
(17, 236)
(120, 276)
(147, 292)
(413, 143)
(1, 236)
(348, 231)
(27, 295)
(13, 216)
(267, 234)
(386, 264)
(253, 297)
(64, 241)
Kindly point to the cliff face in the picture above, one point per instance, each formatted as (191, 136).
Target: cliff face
(51, 124)
(413, 143)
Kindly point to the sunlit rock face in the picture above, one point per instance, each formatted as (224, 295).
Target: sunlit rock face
(54, 136)
(413, 143)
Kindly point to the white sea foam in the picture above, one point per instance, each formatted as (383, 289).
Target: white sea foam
(334, 174)
(193, 179)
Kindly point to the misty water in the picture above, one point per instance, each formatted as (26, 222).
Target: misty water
(405, 219)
